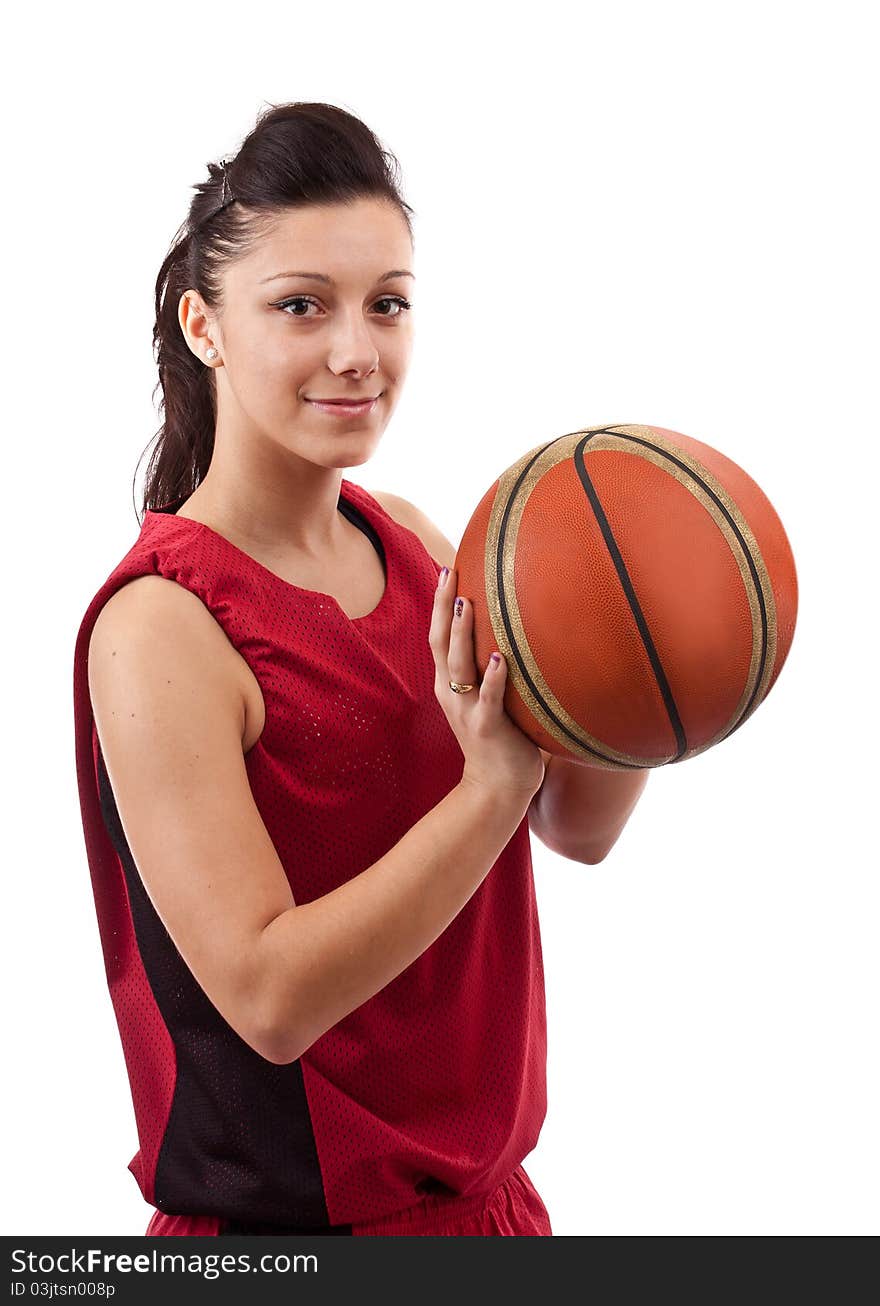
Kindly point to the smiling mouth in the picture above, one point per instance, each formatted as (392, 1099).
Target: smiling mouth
(347, 403)
(339, 408)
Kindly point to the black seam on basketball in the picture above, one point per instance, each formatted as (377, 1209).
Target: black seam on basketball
(505, 616)
(756, 581)
(631, 597)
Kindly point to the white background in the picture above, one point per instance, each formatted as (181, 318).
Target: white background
(635, 212)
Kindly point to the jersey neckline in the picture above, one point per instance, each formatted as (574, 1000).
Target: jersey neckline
(361, 504)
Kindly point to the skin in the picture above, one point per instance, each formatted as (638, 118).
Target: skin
(276, 471)
(277, 466)
(283, 974)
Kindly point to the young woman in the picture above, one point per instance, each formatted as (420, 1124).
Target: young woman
(306, 816)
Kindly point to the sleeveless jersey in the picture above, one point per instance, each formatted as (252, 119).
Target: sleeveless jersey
(437, 1084)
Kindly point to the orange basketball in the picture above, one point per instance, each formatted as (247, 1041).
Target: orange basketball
(641, 587)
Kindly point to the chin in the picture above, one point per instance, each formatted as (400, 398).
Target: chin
(355, 455)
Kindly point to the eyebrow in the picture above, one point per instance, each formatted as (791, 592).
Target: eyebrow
(319, 276)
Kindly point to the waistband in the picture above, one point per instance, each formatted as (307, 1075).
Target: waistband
(433, 1212)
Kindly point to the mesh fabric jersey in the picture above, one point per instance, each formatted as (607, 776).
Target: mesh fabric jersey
(436, 1086)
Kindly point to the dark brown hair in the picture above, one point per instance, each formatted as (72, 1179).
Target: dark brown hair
(296, 154)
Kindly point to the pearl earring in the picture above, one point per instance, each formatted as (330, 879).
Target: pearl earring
(211, 353)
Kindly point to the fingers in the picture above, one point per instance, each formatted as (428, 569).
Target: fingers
(461, 662)
(438, 634)
(451, 638)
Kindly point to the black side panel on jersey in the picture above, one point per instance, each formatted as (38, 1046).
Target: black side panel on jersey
(239, 1142)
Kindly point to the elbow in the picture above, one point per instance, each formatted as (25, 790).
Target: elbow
(270, 1032)
(587, 857)
(280, 1041)
(273, 1042)
(271, 1001)
(593, 854)
(571, 852)
(277, 1055)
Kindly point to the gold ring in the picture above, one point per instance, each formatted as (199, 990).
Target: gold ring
(459, 689)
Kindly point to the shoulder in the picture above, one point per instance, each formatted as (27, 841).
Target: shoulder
(407, 514)
(151, 614)
(141, 600)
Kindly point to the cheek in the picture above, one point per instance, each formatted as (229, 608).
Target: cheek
(397, 356)
(270, 366)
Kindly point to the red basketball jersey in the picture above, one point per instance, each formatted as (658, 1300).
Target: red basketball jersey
(438, 1082)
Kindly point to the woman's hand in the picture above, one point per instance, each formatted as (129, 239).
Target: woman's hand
(498, 755)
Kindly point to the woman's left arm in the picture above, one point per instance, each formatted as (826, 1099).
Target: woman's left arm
(579, 811)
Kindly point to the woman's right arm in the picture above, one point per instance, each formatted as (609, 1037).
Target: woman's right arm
(169, 709)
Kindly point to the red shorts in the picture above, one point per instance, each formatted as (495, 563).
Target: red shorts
(513, 1209)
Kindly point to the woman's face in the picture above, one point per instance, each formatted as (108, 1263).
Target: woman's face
(286, 339)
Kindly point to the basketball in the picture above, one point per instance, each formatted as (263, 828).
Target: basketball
(641, 587)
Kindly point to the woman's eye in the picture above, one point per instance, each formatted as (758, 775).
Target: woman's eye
(295, 301)
(403, 305)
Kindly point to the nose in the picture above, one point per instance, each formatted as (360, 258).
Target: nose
(353, 348)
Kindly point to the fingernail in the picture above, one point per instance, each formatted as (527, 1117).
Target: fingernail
(441, 580)
(459, 605)
(495, 659)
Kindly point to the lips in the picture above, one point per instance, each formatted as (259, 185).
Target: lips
(346, 408)
(365, 399)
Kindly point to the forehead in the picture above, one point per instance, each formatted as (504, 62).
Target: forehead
(360, 239)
